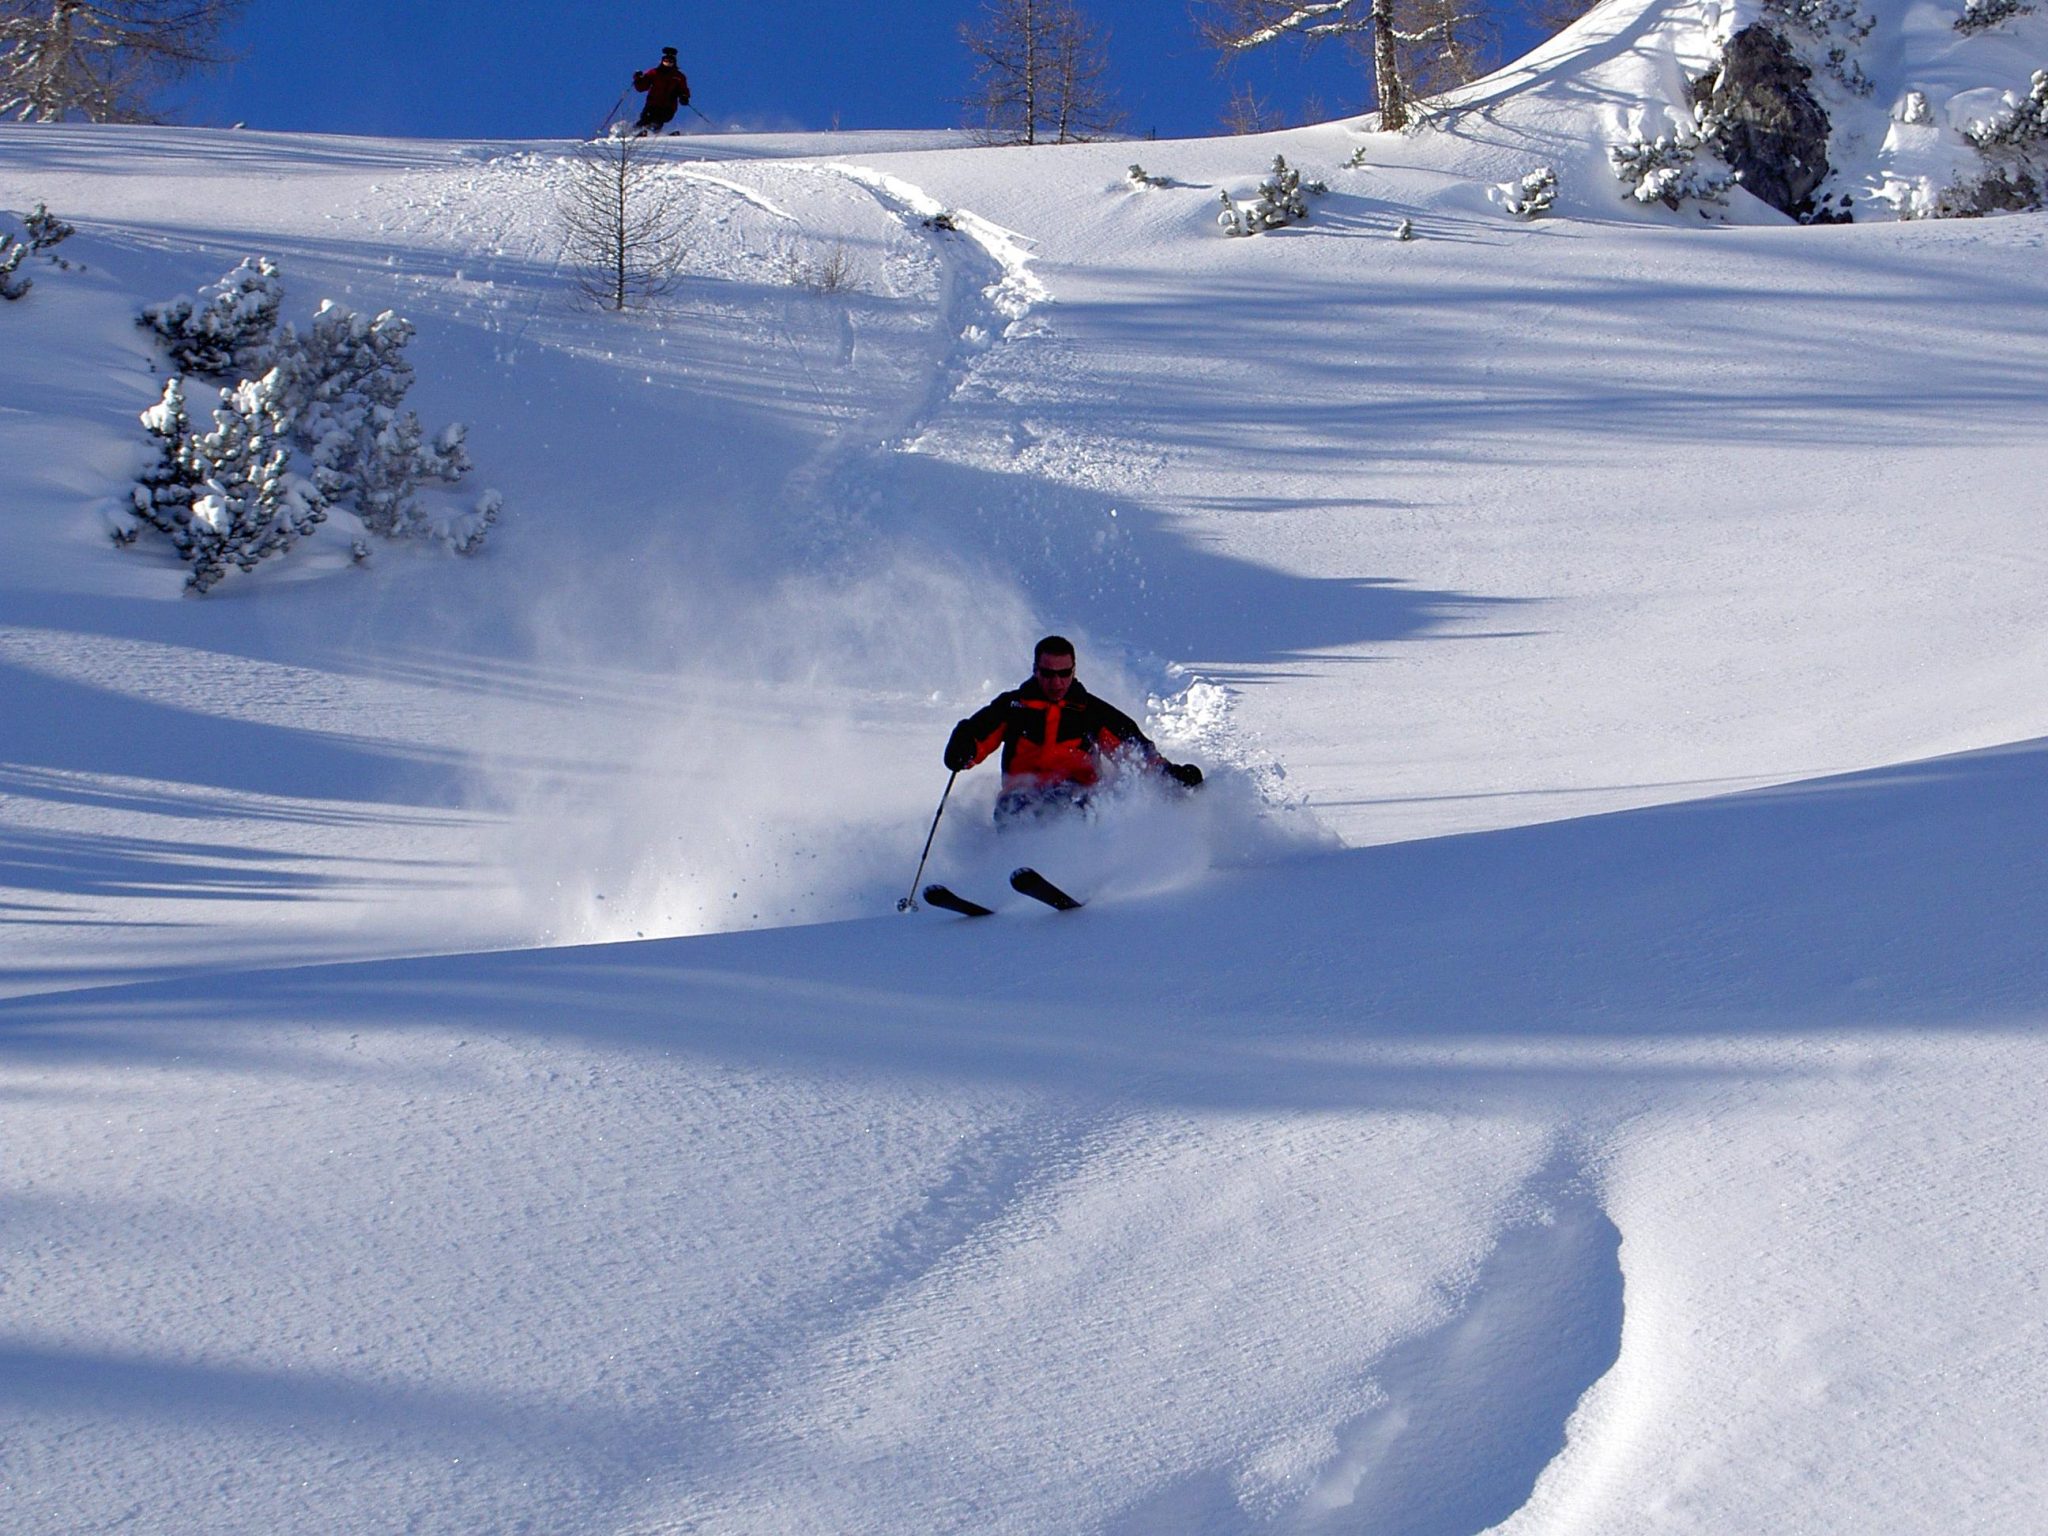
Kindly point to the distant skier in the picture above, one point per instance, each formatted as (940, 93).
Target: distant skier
(667, 88)
(1055, 736)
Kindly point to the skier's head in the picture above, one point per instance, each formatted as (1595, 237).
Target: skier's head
(668, 55)
(1052, 665)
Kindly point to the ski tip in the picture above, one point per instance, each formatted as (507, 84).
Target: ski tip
(1026, 881)
(951, 901)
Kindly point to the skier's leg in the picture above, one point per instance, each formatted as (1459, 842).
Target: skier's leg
(1038, 802)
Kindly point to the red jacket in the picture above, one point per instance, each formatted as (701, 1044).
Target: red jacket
(1044, 742)
(667, 87)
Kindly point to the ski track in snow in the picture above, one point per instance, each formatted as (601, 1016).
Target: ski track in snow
(984, 290)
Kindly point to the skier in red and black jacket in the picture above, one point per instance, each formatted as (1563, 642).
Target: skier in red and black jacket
(1054, 735)
(667, 88)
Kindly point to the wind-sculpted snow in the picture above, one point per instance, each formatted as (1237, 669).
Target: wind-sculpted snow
(1288, 1204)
(1465, 1416)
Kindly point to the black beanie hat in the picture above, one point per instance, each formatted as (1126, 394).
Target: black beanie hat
(668, 53)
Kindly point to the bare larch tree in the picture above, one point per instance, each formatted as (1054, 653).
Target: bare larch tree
(103, 60)
(1041, 74)
(1416, 47)
(1553, 16)
(622, 225)
(1444, 43)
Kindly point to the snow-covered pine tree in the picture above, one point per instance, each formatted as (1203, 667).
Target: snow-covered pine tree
(1665, 170)
(2020, 126)
(12, 284)
(1282, 199)
(251, 505)
(227, 331)
(164, 492)
(45, 229)
(398, 461)
(466, 534)
(226, 496)
(2013, 144)
(1531, 196)
(1982, 15)
(345, 385)
(41, 231)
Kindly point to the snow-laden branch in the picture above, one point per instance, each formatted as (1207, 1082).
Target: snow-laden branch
(1304, 20)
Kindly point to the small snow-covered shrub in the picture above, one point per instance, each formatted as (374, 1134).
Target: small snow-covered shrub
(1840, 26)
(1982, 15)
(1842, 19)
(1815, 16)
(41, 230)
(1913, 109)
(228, 329)
(226, 496)
(12, 284)
(1847, 70)
(2022, 124)
(1282, 199)
(465, 534)
(345, 382)
(1530, 197)
(1666, 170)
(1137, 176)
(2009, 142)
(2006, 189)
(1405, 230)
(44, 229)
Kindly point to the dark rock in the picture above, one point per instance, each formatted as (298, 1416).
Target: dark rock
(1759, 114)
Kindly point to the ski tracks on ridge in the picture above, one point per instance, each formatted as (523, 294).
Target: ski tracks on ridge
(985, 292)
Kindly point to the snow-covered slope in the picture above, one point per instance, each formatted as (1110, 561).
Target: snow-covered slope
(1901, 86)
(1572, 1068)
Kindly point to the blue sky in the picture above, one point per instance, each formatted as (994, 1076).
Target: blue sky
(470, 69)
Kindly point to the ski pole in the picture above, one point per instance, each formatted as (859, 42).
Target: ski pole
(605, 127)
(909, 903)
(700, 114)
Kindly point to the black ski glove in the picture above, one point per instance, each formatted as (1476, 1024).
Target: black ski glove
(959, 753)
(1186, 774)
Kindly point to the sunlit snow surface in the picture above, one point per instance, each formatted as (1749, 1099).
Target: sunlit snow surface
(1573, 1068)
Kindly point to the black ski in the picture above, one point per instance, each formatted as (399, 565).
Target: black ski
(939, 896)
(1029, 882)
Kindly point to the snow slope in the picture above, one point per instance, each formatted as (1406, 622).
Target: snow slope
(1573, 1068)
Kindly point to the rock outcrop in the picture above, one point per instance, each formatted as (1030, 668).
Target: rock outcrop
(1758, 111)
